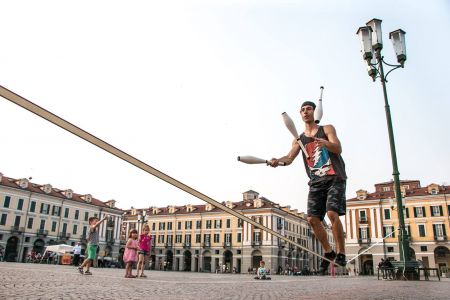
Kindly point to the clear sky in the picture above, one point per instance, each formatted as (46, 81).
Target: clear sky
(187, 86)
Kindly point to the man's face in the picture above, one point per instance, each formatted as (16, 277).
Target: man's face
(307, 113)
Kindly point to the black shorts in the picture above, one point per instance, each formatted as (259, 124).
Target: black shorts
(143, 252)
(327, 195)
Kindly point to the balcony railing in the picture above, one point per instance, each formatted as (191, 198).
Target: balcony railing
(281, 244)
(256, 243)
(110, 241)
(279, 226)
(41, 232)
(186, 245)
(363, 221)
(64, 235)
(17, 229)
(206, 245)
(168, 245)
(227, 244)
(364, 241)
(442, 238)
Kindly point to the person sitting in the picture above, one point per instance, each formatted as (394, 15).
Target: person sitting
(262, 272)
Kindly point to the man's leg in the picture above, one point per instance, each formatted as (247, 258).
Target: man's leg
(338, 231)
(320, 232)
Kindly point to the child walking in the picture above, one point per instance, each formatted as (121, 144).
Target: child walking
(144, 249)
(92, 244)
(130, 254)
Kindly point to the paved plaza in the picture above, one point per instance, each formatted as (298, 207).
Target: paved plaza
(35, 281)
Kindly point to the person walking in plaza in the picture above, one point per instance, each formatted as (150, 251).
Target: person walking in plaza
(326, 171)
(93, 239)
(144, 249)
(76, 254)
(130, 254)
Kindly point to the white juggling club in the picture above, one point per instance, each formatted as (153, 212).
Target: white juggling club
(318, 112)
(291, 127)
(248, 159)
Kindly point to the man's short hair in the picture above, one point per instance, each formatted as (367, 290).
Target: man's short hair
(306, 103)
(92, 218)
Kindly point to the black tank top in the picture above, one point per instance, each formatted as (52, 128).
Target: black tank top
(322, 164)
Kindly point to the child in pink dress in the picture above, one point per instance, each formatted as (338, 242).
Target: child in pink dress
(144, 249)
(130, 254)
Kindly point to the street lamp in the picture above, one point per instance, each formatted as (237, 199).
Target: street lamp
(372, 43)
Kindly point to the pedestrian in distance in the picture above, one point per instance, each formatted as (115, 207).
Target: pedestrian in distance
(144, 249)
(93, 240)
(326, 171)
(130, 255)
(262, 272)
(76, 254)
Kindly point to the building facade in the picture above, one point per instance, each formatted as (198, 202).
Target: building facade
(372, 216)
(202, 238)
(33, 216)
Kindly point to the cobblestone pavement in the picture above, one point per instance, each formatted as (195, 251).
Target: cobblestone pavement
(34, 281)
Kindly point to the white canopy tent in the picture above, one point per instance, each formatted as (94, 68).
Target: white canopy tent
(59, 249)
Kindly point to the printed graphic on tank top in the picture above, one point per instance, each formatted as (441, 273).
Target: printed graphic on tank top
(319, 161)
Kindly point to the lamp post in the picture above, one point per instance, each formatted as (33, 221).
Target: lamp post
(372, 44)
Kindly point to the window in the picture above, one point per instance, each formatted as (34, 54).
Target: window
(169, 239)
(423, 248)
(217, 224)
(188, 224)
(162, 225)
(56, 210)
(84, 230)
(198, 224)
(239, 237)
(362, 215)
(7, 201)
(208, 224)
(42, 225)
(66, 212)
(228, 223)
(386, 189)
(387, 214)
(436, 211)
(153, 226)
(20, 204)
(33, 206)
(75, 228)
(389, 230)
(53, 226)
(438, 230)
(64, 229)
(421, 230)
(228, 238)
(419, 212)
(363, 233)
(86, 215)
(256, 237)
(30, 223)
(390, 249)
(216, 238)
(179, 226)
(3, 220)
(17, 221)
(434, 192)
(407, 212)
(161, 238)
(77, 214)
(178, 238)
(207, 238)
(187, 239)
(45, 208)
(240, 223)
(198, 238)
(169, 225)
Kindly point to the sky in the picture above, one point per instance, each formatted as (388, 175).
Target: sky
(187, 86)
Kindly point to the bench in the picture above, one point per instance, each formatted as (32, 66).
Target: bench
(400, 266)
